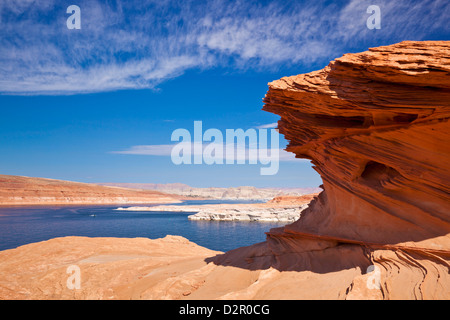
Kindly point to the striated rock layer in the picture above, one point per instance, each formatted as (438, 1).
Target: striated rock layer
(17, 190)
(376, 127)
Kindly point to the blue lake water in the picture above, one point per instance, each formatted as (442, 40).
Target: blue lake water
(23, 225)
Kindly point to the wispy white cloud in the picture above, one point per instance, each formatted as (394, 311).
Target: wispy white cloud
(268, 126)
(240, 152)
(139, 44)
(148, 150)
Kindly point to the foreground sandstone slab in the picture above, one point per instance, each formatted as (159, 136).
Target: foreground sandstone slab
(169, 268)
(174, 268)
(110, 268)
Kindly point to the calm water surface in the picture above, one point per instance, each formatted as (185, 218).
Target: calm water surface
(23, 225)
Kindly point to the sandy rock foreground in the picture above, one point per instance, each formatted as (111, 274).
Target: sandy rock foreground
(167, 268)
(109, 268)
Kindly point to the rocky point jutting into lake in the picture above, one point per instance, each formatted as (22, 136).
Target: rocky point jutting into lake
(279, 209)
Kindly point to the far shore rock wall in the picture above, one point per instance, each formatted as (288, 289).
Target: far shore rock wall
(18, 190)
(231, 193)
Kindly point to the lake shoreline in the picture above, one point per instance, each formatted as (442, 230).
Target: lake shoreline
(21, 225)
(280, 209)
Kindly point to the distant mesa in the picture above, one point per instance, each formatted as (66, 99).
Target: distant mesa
(18, 190)
(231, 193)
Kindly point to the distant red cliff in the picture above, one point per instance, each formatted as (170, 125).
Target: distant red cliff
(17, 190)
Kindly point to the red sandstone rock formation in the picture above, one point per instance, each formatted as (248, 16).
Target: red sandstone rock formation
(16, 190)
(376, 127)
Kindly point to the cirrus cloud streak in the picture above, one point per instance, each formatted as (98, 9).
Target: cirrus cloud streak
(140, 44)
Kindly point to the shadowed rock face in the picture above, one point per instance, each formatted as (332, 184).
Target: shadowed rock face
(376, 127)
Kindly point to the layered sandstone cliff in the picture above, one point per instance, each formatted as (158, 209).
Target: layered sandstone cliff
(17, 190)
(376, 127)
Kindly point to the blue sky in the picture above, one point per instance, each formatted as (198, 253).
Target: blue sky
(73, 102)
